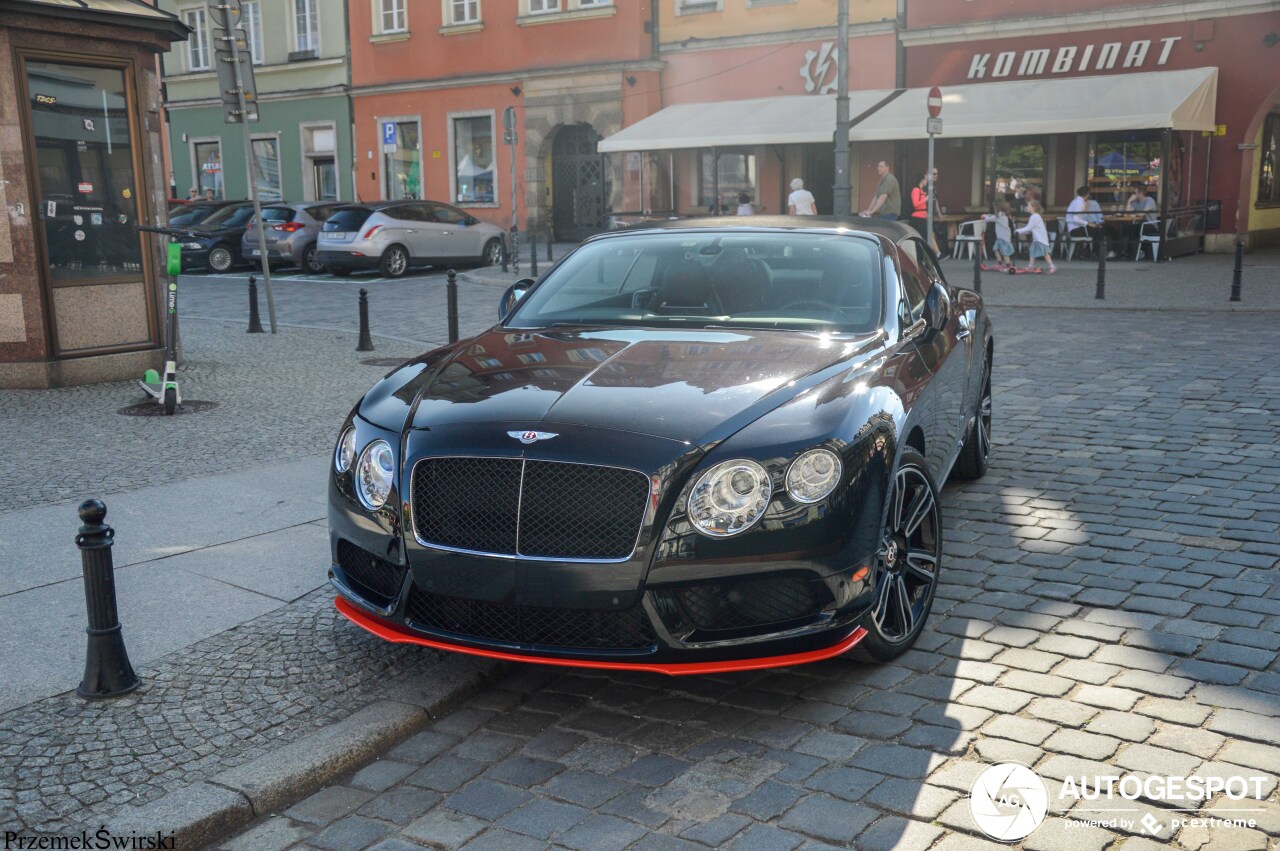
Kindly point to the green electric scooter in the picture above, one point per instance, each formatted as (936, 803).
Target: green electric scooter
(165, 389)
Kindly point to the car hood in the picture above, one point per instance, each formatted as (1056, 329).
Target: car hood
(687, 385)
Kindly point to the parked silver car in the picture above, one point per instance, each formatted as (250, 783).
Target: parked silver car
(292, 229)
(394, 235)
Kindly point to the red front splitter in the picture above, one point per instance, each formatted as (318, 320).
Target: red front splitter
(388, 632)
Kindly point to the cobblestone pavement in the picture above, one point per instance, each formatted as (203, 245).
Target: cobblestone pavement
(1109, 603)
(67, 764)
(278, 397)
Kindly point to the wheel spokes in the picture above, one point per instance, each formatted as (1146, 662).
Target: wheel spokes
(922, 566)
(921, 508)
(905, 612)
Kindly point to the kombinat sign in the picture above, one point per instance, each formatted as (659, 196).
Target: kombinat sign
(1136, 55)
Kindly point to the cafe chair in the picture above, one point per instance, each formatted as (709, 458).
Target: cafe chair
(1068, 241)
(1149, 234)
(970, 237)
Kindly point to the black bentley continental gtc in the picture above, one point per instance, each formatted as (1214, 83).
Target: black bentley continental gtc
(694, 447)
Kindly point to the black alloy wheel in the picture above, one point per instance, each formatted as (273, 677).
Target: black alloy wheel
(492, 255)
(907, 563)
(221, 259)
(394, 262)
(972, 461)
(310, 262)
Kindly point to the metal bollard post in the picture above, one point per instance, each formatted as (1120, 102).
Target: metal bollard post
(255, 321)
(451, 294)
(366, 342)
(533, 255)
(1237, 278)
(515, 249)
(107, 672)
(1101, 291)
(977, 268)
(550, 259)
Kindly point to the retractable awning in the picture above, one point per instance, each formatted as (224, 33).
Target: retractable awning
(1178, 100)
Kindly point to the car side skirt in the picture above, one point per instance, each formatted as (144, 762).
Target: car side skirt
(388, 632)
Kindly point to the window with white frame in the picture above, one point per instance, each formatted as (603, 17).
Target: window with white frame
(266, 168)
(463, 11)
(691, 7)
(473, 159)
(198, 42)
(542, 7)
(393, 16)
(251, 18)
(593, 4)
(306, 26)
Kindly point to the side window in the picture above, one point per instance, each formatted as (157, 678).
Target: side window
(915, 284)
(448, 215)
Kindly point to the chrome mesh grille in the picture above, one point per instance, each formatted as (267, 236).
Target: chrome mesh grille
(579, 629)
(546, 509)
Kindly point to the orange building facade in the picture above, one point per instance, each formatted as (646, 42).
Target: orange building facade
(431, 82)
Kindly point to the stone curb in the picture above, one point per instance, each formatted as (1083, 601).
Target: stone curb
(203, 813)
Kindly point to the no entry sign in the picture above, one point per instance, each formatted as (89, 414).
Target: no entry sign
(935, 102)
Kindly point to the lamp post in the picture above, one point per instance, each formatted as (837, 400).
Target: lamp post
(842, 192)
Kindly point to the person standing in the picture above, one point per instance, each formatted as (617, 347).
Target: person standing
(940, 244)
(919, 218)
(887, 202)
(1039, 240)
(800, 202)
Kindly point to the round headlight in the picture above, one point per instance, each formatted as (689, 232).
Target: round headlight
(345, 452)
(373, 474)
(729, 498)
(813, 475)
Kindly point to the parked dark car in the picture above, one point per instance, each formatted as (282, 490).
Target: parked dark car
(392, 236)
(196, 212)
(695, 447)
(216, 244)
(292, 229)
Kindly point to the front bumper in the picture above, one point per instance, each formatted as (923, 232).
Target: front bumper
(396, 634)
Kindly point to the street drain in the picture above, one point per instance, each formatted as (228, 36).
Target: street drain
(155, 409)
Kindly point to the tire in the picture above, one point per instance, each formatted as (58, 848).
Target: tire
(972, 461)
(492, 254)
(310, 262)
(170, 400)
(221, 259)
(907, 565)
(394, 262)
(337, 271)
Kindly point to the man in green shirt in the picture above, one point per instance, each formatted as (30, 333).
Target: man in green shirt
(887, 202)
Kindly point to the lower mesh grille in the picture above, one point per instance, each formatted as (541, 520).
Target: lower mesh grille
(577, 629)
(750, 602)
(378, 580)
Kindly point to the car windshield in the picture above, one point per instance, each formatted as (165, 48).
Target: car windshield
(277, 214)
(799, 281)
(230, 217)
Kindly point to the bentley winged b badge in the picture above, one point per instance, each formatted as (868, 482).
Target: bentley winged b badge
(531, 436)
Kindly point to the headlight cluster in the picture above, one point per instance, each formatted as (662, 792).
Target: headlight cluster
(373, 472)
(731, 496)
(192, 246)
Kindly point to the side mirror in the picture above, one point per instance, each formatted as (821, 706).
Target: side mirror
(470, 220)
(512, 297)
(937, 311)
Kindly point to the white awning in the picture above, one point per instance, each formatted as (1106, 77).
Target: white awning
(1179, 100)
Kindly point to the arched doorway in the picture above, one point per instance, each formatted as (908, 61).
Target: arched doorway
(579, 183)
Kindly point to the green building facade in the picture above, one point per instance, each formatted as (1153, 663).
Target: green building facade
(301, 144)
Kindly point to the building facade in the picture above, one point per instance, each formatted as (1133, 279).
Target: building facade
(301, 144)
(80, 145)
(431, 82)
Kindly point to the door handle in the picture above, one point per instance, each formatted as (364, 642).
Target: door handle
(447, 233)
(410, 230)
(963, 333)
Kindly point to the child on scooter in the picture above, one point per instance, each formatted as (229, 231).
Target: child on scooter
(1004, 236)
(1039, 241)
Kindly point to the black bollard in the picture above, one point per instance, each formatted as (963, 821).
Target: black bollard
(515, 249)
(549, 257)
(107, 672)
(533, 255)
(366, 342)
(451, 294)
(255, 322)
(1237, 278)
(977, 268)
(1101, 291)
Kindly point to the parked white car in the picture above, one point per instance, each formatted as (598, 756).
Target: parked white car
(392, 236)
